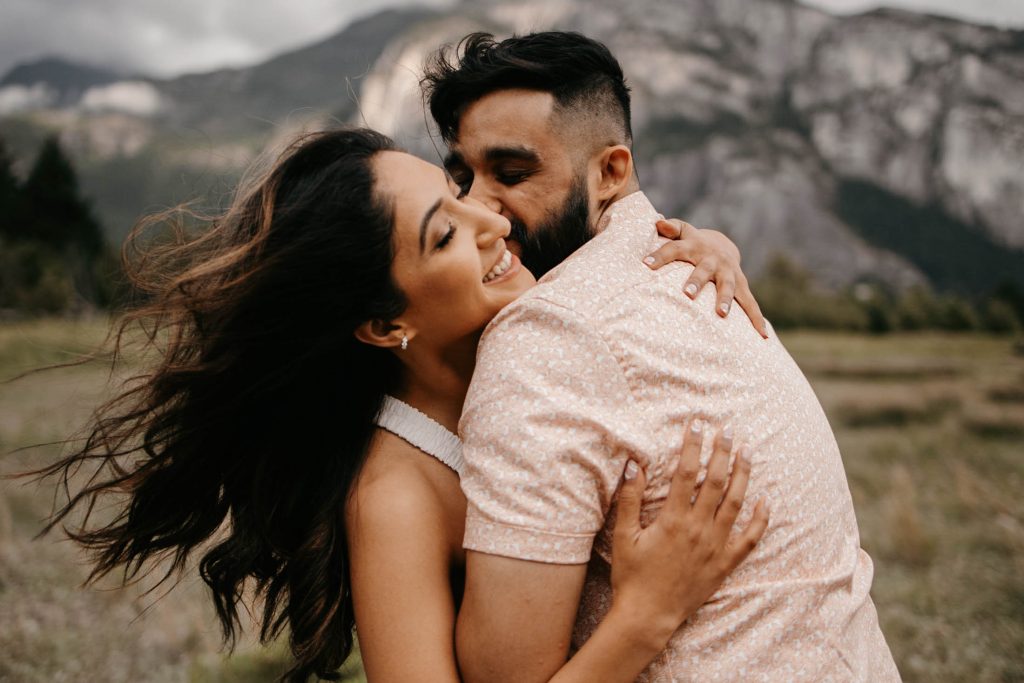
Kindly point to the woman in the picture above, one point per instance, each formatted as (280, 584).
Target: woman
(281, 331)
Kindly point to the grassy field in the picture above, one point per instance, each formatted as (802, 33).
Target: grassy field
(932, 432)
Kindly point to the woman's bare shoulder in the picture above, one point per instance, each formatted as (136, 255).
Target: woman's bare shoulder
(394, 493)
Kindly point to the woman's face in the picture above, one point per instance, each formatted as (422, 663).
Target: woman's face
(450, 255)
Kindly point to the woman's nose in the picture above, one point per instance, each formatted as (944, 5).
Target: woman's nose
(491, 225)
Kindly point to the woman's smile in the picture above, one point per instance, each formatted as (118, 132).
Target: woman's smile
(506, 268)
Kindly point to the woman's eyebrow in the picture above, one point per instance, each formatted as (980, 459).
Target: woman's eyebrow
(425, 222)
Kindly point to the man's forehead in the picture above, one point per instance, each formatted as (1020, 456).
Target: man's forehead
(505, 119)
(514, 149)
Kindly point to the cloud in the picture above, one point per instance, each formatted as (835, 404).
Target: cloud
(131, 97)
(18, 98)
(1006, 13)
(167, 38)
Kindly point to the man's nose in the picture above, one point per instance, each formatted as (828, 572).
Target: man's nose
(480, 194)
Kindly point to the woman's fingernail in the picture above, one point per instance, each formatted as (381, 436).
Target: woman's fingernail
(745, 454)
(724, 308)
(631, 470)
(727, 437)
(691, 289)
(649, 260)
(696, 427)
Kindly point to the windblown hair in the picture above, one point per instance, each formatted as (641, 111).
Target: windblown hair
(240, 444)
(579, 72)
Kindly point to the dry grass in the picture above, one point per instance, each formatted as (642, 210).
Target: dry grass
(897, 368)
(51, 628)
(894, 406)
(995, 421)
(936, 468)
(1008, 393)
(929, 426)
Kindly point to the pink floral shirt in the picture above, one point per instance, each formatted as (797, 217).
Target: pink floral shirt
(604, 358)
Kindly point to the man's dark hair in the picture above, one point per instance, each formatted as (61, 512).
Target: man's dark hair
(579, 72)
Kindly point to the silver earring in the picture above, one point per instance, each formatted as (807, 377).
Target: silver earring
(405, 342)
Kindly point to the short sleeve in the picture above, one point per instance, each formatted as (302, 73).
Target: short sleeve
(543, 429)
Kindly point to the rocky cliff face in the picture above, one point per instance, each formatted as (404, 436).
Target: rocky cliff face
(767, 118)
(755, 115)
(929, 109)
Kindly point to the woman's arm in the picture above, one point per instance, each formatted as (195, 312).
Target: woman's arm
(715, 259)
(399, 572)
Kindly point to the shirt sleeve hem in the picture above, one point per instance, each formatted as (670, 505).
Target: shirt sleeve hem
(518, 543)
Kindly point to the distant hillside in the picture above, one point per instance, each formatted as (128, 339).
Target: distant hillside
(60, 74)
(322, 77)
(886, 146)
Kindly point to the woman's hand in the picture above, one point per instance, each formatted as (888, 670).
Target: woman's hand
(663, 573)
(716, 259)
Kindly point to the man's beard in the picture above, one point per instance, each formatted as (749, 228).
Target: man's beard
(558, 235)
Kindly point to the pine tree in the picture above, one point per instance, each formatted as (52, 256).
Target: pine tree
(55, 211)
(10, 222)
(56, 224)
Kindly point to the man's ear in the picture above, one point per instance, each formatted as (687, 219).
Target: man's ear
(382, 333)
(615, 166)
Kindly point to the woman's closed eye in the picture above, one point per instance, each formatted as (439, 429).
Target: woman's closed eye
(444, 241)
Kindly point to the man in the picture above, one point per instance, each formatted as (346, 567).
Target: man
(602, 360)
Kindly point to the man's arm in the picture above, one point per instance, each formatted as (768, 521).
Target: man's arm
(543, 427)
(662, 574)
(516, 619)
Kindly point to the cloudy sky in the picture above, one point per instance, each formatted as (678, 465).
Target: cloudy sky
(167, 37)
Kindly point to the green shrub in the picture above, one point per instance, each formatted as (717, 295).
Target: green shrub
(999, 316)
(34, 279)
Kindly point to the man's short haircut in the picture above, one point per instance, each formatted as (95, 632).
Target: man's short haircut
(580, 73)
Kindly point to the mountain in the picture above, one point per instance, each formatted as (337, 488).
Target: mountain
(322, 78)
(886, 146)
(61, 75)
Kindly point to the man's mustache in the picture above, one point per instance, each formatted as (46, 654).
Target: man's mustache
(517, 237)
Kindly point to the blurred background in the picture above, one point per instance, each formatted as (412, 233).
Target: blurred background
(869, 163)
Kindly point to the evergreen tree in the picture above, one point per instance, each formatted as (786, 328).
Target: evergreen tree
(55, 211)
(1012, 295)
(10, 221)
(55, 241)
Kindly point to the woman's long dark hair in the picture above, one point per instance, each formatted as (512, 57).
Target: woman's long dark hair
(243, 439)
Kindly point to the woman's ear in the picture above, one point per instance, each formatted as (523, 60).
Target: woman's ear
(615, 166)
(382, 333)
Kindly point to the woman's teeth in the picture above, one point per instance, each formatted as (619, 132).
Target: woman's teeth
(503, 265)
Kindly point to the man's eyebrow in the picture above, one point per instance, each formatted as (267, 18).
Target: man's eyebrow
(425, 222)
(519, 153)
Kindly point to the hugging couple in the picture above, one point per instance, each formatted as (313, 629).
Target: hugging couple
(603, 513)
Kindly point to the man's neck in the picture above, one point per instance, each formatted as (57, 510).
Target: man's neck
(598, 221)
